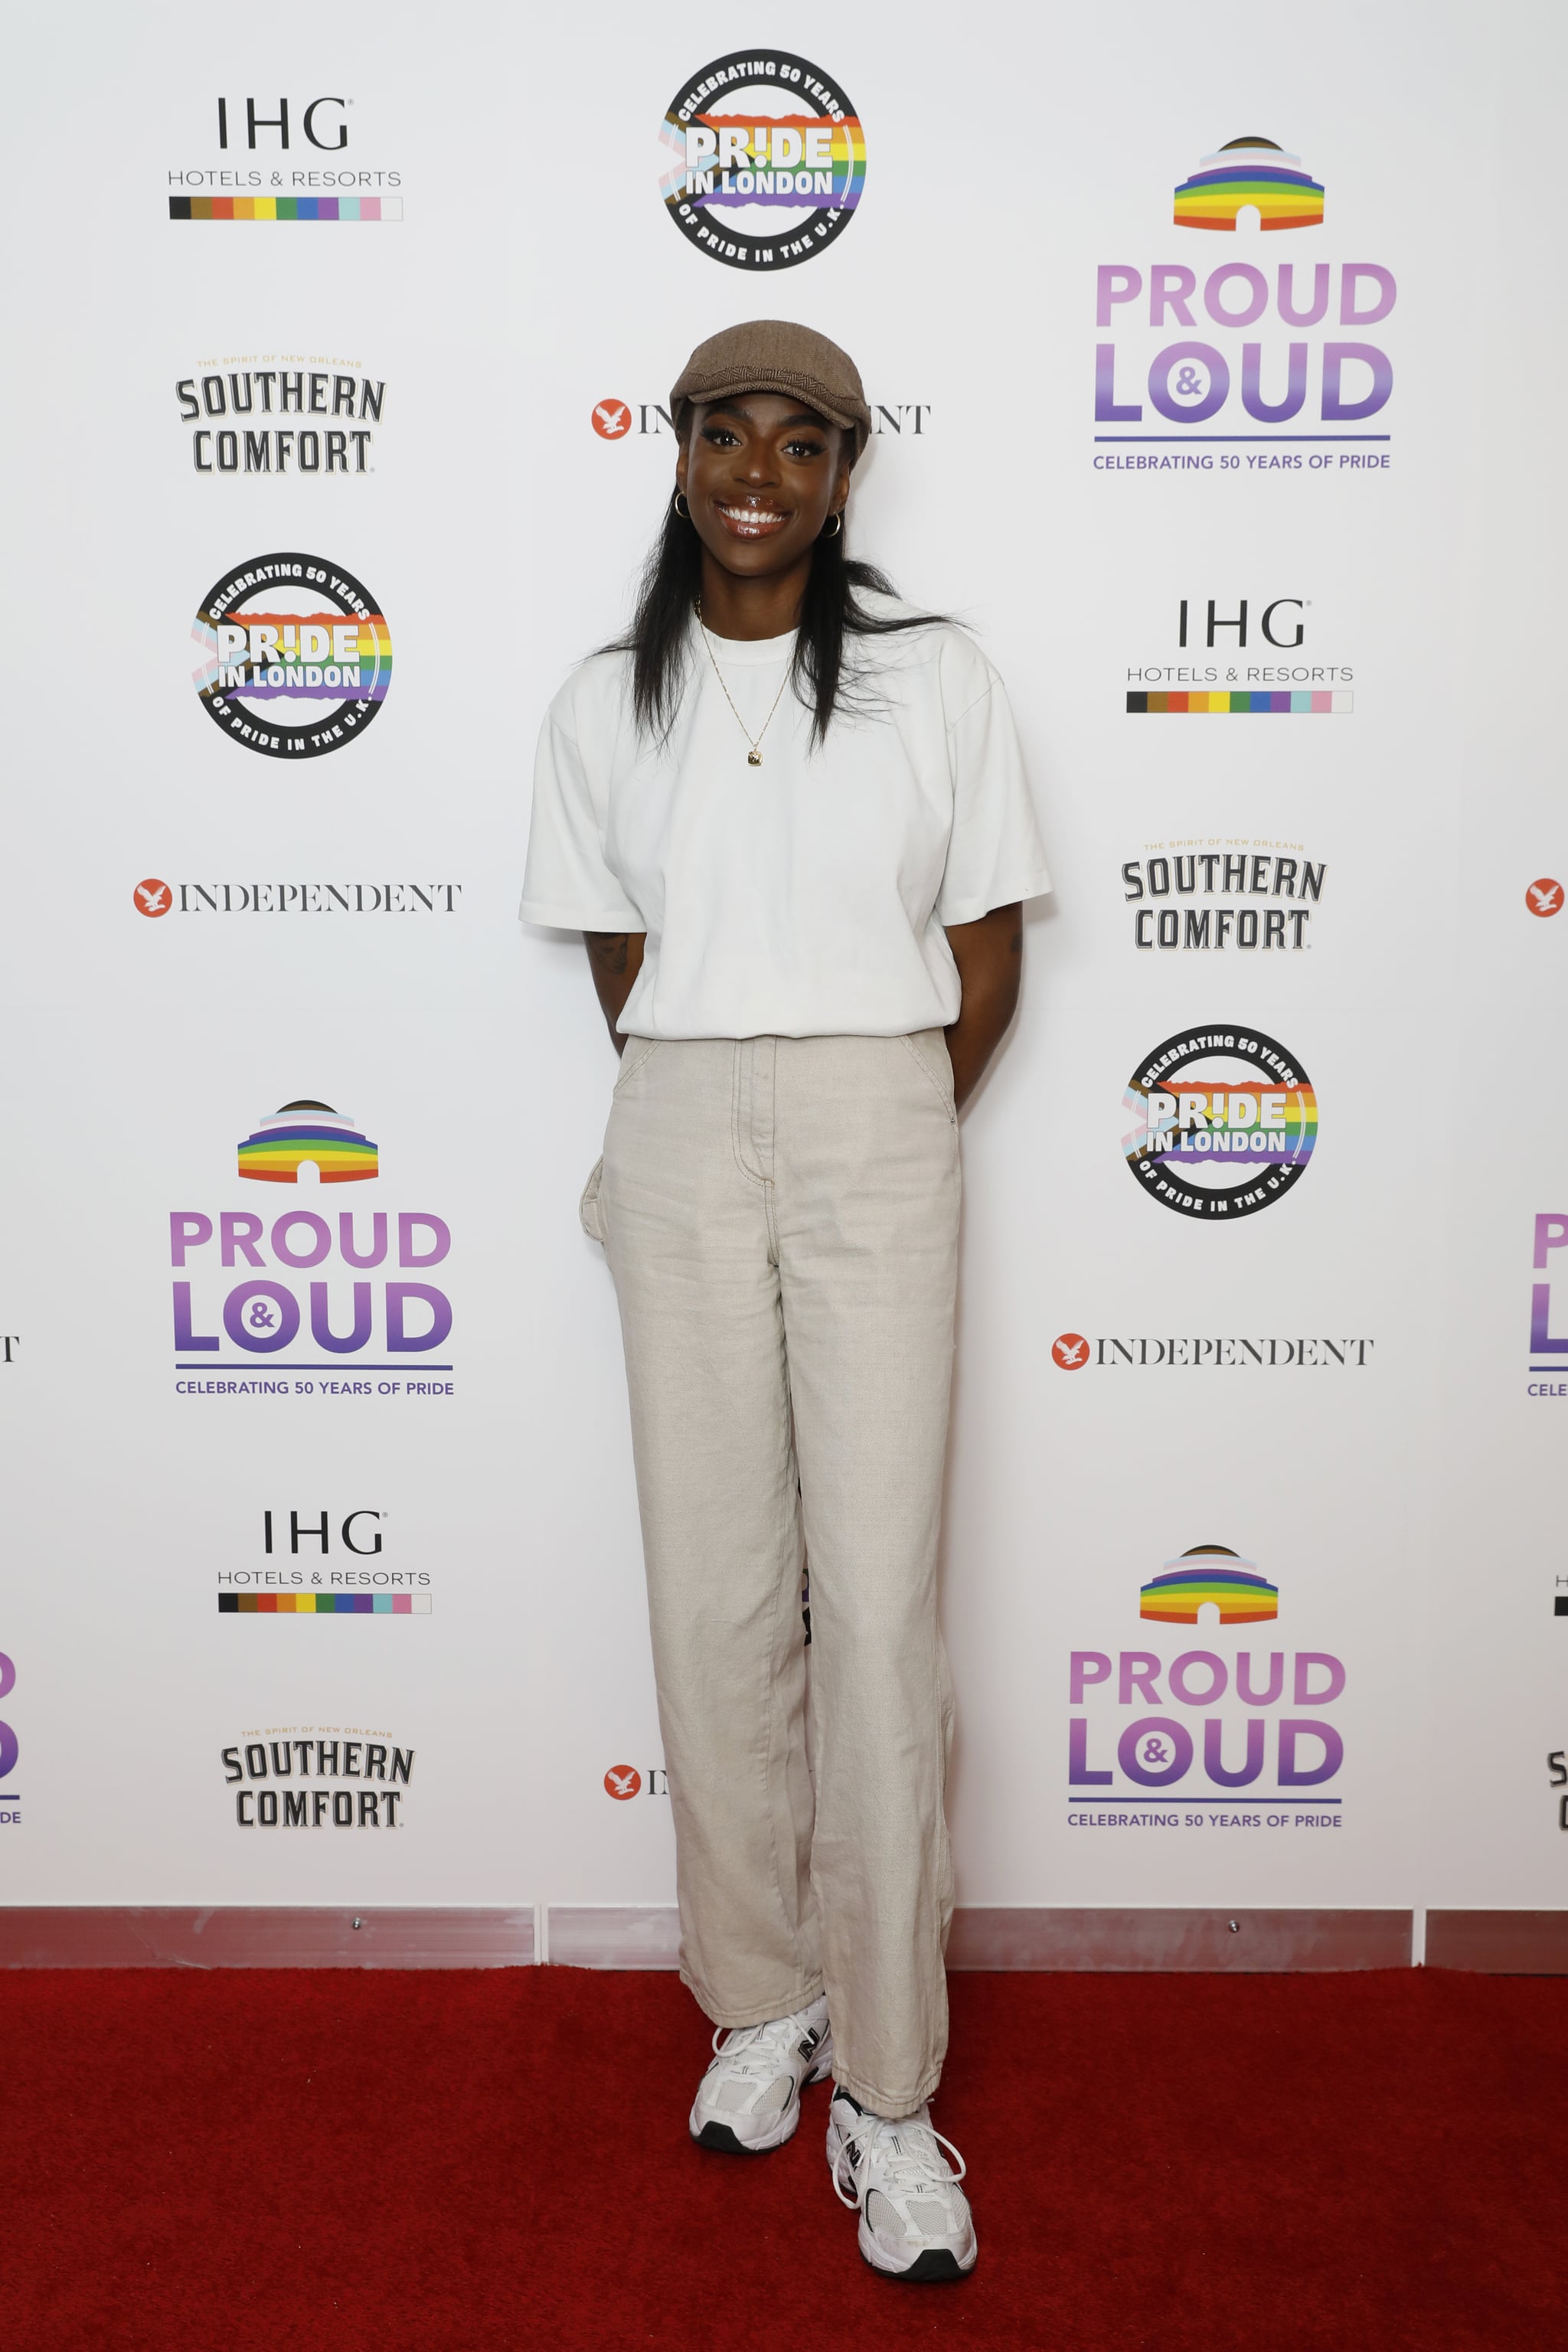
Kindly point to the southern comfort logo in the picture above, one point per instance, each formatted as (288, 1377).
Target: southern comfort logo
(295, 655)
(299, 1783)
(1213, 899)
(287, 416)
(764, 161)
(1169, 354)
(365, 1321)
(1224, 1123)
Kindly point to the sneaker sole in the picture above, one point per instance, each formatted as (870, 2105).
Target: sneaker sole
(723, 2140)
(936, 2267)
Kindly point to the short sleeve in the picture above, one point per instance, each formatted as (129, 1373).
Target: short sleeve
(568, 882)
(994, 852)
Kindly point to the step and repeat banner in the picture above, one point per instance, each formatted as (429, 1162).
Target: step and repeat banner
(1210, 381)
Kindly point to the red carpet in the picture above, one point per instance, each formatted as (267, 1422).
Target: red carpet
(390, 2162)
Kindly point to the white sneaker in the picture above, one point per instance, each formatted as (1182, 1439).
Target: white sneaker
(749, 2100)
(915, 2222)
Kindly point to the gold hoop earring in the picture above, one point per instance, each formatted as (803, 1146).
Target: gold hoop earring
(838, 522)
(682, 509)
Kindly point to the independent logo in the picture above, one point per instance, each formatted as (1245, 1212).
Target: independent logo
(611, 418)
(622, 1780)
(1225, 1121)
(295, 655)
(764, 161)
(1544, 896)
(151, 897)
(1070, 1352)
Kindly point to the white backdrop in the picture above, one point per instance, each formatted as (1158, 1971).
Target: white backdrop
(1402, 1501)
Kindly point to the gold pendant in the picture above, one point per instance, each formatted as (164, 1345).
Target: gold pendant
(754, 758)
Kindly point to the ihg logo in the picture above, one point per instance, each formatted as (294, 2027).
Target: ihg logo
(279, 123)
(1291, 632)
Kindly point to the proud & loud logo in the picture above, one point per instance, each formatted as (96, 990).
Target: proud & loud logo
(1207, 1720)
(239, 1307)
(1169, 353)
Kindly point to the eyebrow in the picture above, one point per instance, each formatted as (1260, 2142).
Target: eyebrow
(738, 408)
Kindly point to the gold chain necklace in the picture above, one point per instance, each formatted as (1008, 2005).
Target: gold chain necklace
(754, 756)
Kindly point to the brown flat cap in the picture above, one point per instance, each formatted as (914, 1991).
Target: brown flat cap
(776, 355)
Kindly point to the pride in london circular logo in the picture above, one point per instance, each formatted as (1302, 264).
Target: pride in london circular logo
(1224, 1122)
(295, 655)
(764, 160)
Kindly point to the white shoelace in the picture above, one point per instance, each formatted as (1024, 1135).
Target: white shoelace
(760, 2053)
(913, 2166)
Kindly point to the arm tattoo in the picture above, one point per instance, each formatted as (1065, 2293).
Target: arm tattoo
(608, 949)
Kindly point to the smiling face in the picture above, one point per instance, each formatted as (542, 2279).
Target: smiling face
(762, 474)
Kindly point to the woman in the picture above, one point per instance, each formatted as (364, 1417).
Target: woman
(789, 813)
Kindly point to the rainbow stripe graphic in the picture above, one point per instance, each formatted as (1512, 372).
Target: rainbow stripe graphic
(847, 150)
(1241, 1597)
(364, 678)
(323, 1604)
(1249, 172)
(1221, 1126)
(286, 208)
(313, 1131)
(1316, 705)
(1213, 1141)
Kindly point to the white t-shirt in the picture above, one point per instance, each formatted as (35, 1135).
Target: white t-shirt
(806, 897)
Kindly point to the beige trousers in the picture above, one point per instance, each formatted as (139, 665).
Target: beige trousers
(781, 1218)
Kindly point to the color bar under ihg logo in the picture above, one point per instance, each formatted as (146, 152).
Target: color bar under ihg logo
(286, 208)
(1245, 705)
(323, 1604)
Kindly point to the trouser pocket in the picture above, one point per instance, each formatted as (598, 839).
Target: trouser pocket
(588, 1208)
(928, 1049)
(638, 1051)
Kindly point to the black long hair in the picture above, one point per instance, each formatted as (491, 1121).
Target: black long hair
(826, 678)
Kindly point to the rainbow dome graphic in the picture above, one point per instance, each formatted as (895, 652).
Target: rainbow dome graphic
(1250, 171)
(313, 1131)
(1210, 1572)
